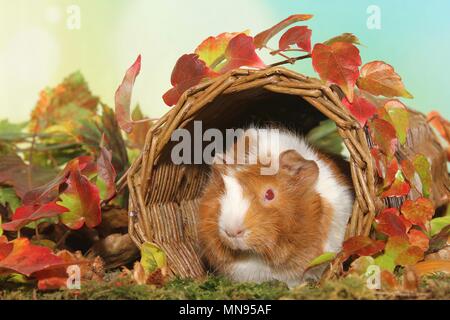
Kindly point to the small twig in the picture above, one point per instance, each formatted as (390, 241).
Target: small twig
(290, 60)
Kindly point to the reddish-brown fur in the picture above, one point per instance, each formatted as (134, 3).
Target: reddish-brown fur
(288, 232)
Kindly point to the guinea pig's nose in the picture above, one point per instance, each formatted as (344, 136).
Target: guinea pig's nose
(235, 233)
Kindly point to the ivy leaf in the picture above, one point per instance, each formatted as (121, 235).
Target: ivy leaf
(106, 174)
(8, 197)
(390, 223)
(399, 188)
(440, 124)
(241, 52)
(362, 246)
(384, 136)
(361, 108)
(262, 38)
(123, 96)
(26, 214)
(212, 50)
(188, 72)
(82, 199)
(140, 129)
(437, 224)
(423, 169)
(410, 256)
(379, 78)
(398, 116)
(299, 35)
(419, 212)
(152, 257)
(345, 37)
(402, 252)
(419, 239)
(323, 258)
(408, 169)
(339, 64)
(22, 257)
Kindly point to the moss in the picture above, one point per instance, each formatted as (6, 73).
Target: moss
(123, 288)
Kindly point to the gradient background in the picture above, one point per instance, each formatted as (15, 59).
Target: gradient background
(38, 50)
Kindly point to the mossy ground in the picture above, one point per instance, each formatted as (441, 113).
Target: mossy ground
(434, 287)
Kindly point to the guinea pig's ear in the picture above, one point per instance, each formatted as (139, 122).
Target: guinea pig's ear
(293, 164)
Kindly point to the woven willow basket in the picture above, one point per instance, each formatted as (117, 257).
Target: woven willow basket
(164, 197)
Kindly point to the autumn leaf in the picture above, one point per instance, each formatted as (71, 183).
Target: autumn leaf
(408, 169)
(419, 239)
(401, 251)
(362, 246)
(423, 168)
(241, 52)
(440, 124)
(263, 37)
(123, 96)
(379, 78)
(398, 116)
(437, 224)
(28, 213)
(399, 188)
(152, 257)
(188, 72)
(390, 224)
(419, 212)
(391, 173)
(339, 64)
(22, 257)
(384, 136)
(82, 199)
(361, 108)
(106, 176)
(299, 35)
(212, 50)
(140, 129)
(345, 37)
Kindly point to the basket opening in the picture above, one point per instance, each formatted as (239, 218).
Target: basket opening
(258, 107)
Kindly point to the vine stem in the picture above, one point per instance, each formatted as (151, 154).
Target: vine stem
(290, 60)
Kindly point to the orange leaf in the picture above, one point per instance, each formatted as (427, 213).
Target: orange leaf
(263, 37)
(241, 52)
(299, 35)
(188, 72)
(22, 257)
(419, 239)
(123, 96)
(432, 266)
(419, 212)
(384, 136)
(379, 78)
(338, 63)
(399, 188)
(362, 246)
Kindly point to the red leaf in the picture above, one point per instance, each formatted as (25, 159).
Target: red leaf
(188, 72)
(379, 78)
(338, 63)
(418, 212)
(384, 136)
(390, 223)
(391, 173)
(241, 52)
(408, 169)
(361, 108)
(26, 214)
(123, 96)
(399, 188)
(24, 258)
(262, 38)
(419, 239)
(106, 173)
(82, 200)
(299, 35)
(362, 246)
(440, 124)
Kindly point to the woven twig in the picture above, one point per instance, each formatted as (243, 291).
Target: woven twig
(163, 197)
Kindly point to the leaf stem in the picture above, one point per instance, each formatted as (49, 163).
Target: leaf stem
(290, 60)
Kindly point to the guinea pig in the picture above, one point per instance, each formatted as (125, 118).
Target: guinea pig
(261, 227)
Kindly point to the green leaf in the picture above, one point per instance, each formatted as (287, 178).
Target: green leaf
(326, 138)
(399, 117)
(437, 224)
(152, 257)
(385, 262)
(8, 197)
(423, 169)
(323, 258)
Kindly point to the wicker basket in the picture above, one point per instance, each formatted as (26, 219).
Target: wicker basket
(164, 197)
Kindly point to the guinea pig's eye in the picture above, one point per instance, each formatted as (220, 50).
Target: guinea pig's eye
(269, 195)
